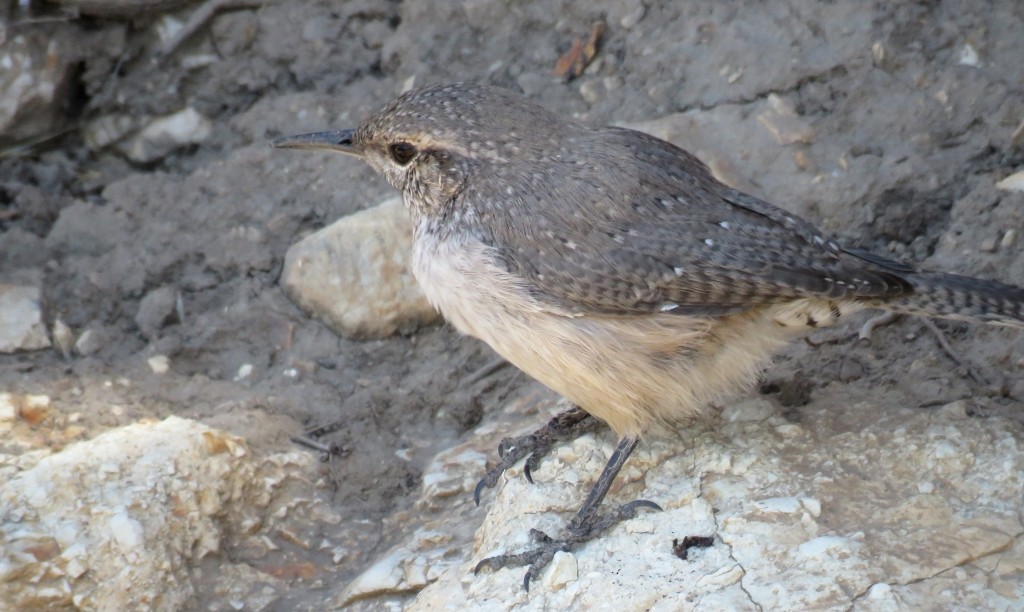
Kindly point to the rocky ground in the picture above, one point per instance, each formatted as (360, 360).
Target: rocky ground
(154, 364)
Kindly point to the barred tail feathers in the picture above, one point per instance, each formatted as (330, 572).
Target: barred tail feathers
(949, 296)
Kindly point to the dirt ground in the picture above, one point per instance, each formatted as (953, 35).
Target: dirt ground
(911, 131)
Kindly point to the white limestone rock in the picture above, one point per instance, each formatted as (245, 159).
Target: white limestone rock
(354, 275)
(21, 319)
(120, 522)
(824, 514)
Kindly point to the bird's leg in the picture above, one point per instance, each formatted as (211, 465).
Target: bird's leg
(586, 525)
(567, 425)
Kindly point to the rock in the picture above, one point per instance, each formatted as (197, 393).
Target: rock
(90, 341)
(63, 337)
(84, 228)
(21, 319)
(159, 364)
(122, 521)
(35, 72)
(354, 275)
(633, 17)
(1014, 182)
(162, 135)
(105, 130)
(830, 506)
(784, 123)
(562, 570)
(156, 309)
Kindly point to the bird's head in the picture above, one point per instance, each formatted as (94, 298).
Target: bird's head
(429, 141)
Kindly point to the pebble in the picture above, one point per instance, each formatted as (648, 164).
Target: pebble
(969, 56)
(156, 309)
(632, 18)
(354, 275)
(1014, 182)
(562, 570)
(1009, 238)
(782, 120)
(163, 135)
(160, 364)
(89, 342)
(63, 337)
(21, 319)
(33, 74)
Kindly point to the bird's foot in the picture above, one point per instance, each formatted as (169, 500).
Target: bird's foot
(565, 426)
(580, 529)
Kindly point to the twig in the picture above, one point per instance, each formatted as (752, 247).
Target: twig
(874, 323)
(944, 343)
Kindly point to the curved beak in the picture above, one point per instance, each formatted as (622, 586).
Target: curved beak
(342, 141)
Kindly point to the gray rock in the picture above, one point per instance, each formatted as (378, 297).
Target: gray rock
(91, 341)
(162, 135)
(354, 275)
(156, 309)
(34, 72)
(21, 319)
(84, 228)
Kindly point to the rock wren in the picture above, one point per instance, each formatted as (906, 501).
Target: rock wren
(615, 269)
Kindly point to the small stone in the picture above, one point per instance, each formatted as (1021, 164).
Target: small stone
(988, 245)
(779, 505)
(104, 131)
(21, 319)
(165, 134)
(784, 123)
(8, 407)
(812, 506)
(751, 410)
(160, 364)
(1014, 182)
(34, 72)
(592, 90)
(878, 52)
(354, 275)
(63, 337)
(156, 309)
(244, 371)
(632, 18)
(959, 409)
(562, 570)
(969, 56)
(1017, 137)
(75, 568)
(89, 342)
(1009, 238)
(639, 526)
(84, 228)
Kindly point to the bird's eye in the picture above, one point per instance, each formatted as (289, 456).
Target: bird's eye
(402, 152)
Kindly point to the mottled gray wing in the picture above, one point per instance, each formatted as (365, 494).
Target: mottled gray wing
(650, 230)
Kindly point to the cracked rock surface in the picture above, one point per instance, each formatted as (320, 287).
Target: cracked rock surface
(838, 511)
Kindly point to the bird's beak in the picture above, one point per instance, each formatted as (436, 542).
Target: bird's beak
(342, 141)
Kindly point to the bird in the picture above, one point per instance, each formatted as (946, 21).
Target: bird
(614, 268)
